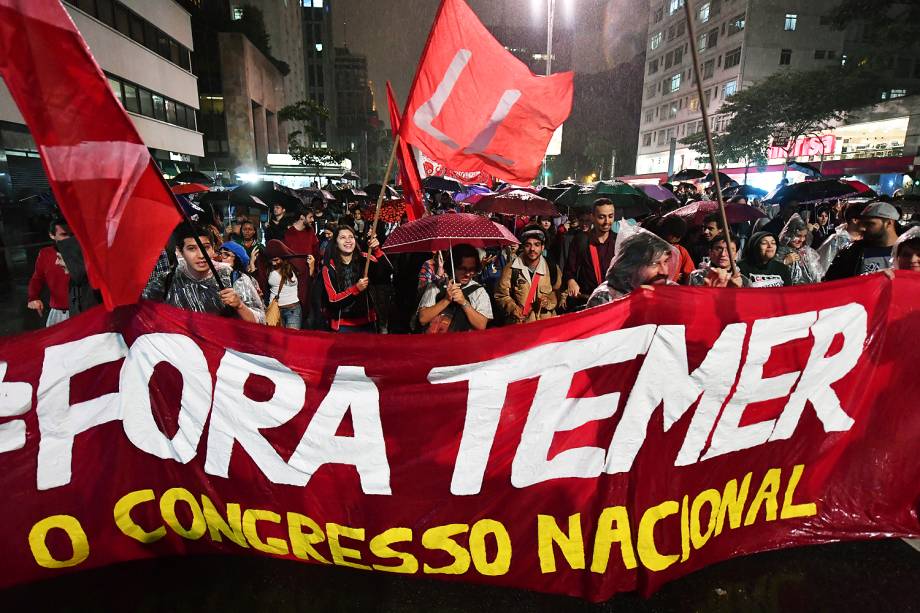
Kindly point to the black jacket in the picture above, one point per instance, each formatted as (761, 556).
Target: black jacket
(847, 263)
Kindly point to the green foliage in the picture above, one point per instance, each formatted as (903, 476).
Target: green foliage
(307, 115)
(805, 103)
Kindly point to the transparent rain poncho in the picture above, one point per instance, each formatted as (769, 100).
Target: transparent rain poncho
(807, 269)
(835, 243)
(636, 250)
(912, 236)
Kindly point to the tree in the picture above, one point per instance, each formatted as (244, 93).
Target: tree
(891, 25)
(302, 143)
(803, 103)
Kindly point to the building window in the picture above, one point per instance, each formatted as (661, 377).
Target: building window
(733, 58)
(159, 107)
(674, 6)
(674, 83)
(703, 13)
(116, 87)
(709, 40)
(820, 54)
(237, 13)
(650, 91)
(785, 57)
(131, 102)
(736, 24)
(898, 93)
(729, 89)
(672, 110)
(146, 102)
(791, 21)
(678, 55)
(694, 104)
(659, 14)
(656, 40)
(669, 59)
(653, 66)
(708, 69)
(647, 139)
(670, 33)
(662, 135)
(649, 116)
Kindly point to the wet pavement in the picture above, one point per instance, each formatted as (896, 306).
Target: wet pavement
(863, 577)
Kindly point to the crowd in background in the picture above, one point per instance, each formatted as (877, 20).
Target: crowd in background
(321, 268)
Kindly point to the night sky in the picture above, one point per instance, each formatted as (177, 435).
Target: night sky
(392, 33)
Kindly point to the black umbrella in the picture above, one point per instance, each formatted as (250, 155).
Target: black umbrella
(688, 174)
(309, 194)
(748, 191)
(350, 195)
(807, 169)
(373, 191)
(193, 176)
(811, 191)
(268, 192)
(552, 192)
(442, 184)
(724, 179)
(350, 176)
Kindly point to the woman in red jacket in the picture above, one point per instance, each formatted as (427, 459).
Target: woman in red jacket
(347, 303)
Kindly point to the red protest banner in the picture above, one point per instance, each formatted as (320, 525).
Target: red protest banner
(612, 450)
(100, 171)
(475, 107)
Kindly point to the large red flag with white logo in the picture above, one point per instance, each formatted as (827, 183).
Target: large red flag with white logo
(408, 171)
(476, 107)
(99, 169)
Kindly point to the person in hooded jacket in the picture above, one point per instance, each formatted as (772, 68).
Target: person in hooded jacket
(760, 264)
(906, 252)
(641, 259)
(794, 251)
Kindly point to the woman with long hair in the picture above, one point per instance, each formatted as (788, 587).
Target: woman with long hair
(283, 285)
(347, 302)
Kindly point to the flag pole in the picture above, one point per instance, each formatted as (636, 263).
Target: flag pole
(697, 73)
(383, 191)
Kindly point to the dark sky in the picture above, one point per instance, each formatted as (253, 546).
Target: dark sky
(392, 33)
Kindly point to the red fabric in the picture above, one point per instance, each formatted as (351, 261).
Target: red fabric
(595, 263)
(107, 185)
(454, 429)
(534, 285)
(49, 274)
(408, 171)
(686, 265)
(497, 117)
(303, 242)
(437, 232)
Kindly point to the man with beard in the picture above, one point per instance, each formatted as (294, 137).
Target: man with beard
(529, 285)
(642, 259)
(591, 252)
(872, 253)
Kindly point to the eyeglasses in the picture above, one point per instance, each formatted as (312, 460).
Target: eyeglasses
(227, 253)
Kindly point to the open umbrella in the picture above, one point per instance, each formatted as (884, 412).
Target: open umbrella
(438, 232)
(309, 194)
(473, 193)
(193, 176)
(807, 169)
(391, 211)
(552, 192)
(269, 193)
(694, 212)
(748, 191)
(859, 186)
(442, 184)
(627, 200)
(724, 179)
(517, 202)
(350, 195)
(657, 193)
(373, 191)
(189, 188)
(688, 174)
(812, 191)
(350, 176)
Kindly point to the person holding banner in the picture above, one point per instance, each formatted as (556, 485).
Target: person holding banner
(347, 304)
(718, 271)
(191, 284)
(529, 286)
(591, 253)
(461, 304)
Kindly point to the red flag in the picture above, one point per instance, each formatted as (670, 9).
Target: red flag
(408, 171)
(476, 107)
(102, 175)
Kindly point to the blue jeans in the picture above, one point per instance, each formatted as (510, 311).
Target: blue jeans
(291, 316)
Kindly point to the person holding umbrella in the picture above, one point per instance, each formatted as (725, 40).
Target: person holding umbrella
(461, 304)
(529, 286)
(347, 304)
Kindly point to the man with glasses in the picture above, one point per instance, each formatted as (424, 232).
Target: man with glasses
(461, 303)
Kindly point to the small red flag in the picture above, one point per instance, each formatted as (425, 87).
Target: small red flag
(476, 107)
(408, 171)
(102, 175)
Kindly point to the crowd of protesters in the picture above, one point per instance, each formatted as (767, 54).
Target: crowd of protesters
(321, 268)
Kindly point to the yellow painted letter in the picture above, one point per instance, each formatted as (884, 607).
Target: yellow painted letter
(126, 524)
(380, 547)
(645, 544)
(607, 535)
(572, 545)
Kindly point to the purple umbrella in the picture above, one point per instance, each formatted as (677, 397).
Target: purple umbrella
(656, 192)
(470, 191)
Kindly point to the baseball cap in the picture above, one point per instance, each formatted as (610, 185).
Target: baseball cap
(881, 210)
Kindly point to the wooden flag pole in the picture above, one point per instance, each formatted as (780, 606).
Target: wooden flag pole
(383, 191)
(697, 73)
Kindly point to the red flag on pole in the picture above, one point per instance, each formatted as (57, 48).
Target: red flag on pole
(476, 107)
(102, 175)
(408, 171)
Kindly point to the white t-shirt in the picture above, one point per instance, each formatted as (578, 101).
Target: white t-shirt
(479, 299)
(288, 295)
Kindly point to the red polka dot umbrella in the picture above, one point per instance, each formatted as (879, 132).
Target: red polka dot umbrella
(517, 202)
(438, 232)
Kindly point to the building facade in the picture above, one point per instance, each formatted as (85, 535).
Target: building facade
(356, 113)
(319, 62)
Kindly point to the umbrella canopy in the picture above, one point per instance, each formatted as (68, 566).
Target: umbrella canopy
(373, 191)
(350, 176)
(657, 193)
(812, 191)
(439, 232)
(807, 169)
(553, 192)
(694, 212)
(724, 179)
(391, 211)
(517, 202)
(442, 184)
(748, 191)
(628, 201)
(308, 195)
(350, 195)
(269, 193)
(688, 174)
(193, 176)
(472, 190)
(189, 188)
(859, 186)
